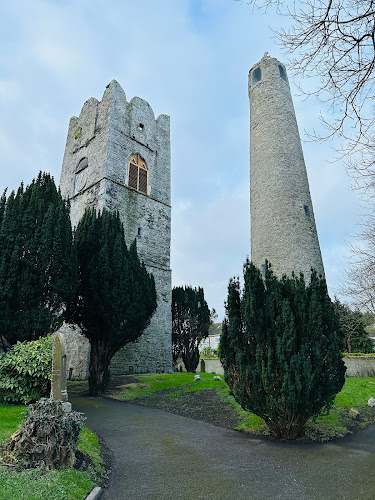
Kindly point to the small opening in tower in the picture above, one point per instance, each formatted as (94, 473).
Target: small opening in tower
(257, 75)
(139, 232)
(83, 163)
(282, 72)
(141, 126)
(307, 210)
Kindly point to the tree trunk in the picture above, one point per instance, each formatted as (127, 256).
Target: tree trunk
(99, 375)
(349, 344)
(190, 359)
(289, 427)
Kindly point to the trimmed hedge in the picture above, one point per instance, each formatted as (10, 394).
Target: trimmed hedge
(25, 371)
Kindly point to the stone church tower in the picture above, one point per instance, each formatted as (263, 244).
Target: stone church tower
(283, 227)
(117, 156)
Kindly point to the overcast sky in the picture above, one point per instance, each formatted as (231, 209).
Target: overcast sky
(189, 59)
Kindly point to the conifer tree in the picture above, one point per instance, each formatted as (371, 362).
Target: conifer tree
(281, 349)
(116, 296)
(37, 264)
(191, 319)
(3, 200)
(353, 329)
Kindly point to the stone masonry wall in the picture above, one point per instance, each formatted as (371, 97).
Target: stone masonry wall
(107, 133)
(283, 227)
(151, 353)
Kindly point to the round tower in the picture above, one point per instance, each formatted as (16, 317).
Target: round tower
(283, 227)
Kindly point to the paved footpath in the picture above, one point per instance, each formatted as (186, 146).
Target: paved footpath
(160, 456)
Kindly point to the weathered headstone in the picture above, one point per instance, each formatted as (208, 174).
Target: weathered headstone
(58, 386)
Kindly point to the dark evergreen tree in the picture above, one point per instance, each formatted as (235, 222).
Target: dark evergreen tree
(353, 329)
(191, 319)
(3, 200)
(116, 296)
(281, 349)
(37, 264)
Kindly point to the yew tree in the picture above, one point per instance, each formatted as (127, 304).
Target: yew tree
(116, 296)
(281, 348)
(37, 263)
(191, 319)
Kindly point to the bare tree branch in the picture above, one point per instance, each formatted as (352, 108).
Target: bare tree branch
(333, 41)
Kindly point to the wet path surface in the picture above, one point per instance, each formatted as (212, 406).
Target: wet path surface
(158, 455)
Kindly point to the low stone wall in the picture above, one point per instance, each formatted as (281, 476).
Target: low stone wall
(356, 366)
(210, 366)
(360, 366)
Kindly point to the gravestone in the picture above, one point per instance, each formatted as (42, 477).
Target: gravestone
(203, 366)
(58, 386)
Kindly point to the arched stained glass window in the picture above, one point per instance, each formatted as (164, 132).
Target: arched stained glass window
(138, 174)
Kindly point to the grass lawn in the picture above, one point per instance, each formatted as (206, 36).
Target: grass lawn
(153, 389)
(149, 384)
(35, 484)
(355, 394)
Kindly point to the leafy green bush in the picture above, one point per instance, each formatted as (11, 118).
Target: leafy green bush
(25, 371)
(208, 352)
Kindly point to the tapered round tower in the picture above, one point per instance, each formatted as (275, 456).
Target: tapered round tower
(283, 227)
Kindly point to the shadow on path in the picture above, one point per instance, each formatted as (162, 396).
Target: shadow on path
(161, 456)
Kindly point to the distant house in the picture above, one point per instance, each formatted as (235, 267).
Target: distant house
(213, 338)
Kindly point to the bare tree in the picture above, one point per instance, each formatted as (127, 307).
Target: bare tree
(359, 284)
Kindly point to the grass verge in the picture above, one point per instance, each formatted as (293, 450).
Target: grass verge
(355, 394)
(69, 484)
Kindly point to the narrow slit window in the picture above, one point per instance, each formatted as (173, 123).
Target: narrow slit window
(257, 75)
(282, 72)
(138, 174)
(307, 210)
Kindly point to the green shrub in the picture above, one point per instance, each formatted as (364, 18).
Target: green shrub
(25, 371)
(208, 352)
